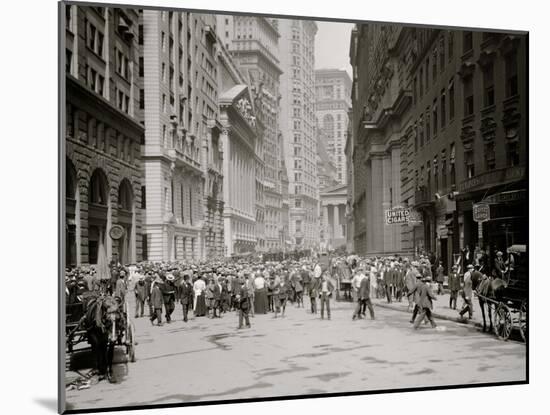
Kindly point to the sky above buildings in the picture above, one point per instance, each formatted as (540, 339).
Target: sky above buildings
(332, 46)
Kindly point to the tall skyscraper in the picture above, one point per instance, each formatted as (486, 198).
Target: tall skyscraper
(296, 45)
(253, 44)
(333, 99)
(182, 159)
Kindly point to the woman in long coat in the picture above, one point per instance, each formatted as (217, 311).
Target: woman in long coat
(260, 294)
(199, 304)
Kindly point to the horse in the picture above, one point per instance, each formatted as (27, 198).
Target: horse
(100, 322)
(488, 289)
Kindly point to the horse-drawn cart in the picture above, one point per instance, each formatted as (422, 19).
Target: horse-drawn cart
(506, 298)
(99, 324)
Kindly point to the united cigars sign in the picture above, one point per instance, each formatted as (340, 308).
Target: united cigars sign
(398, 216)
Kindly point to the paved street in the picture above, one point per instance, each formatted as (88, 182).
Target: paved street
(300, 354)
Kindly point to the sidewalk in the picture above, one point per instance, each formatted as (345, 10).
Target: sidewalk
(440, 311)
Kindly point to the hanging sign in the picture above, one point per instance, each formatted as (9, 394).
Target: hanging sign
(481, 212)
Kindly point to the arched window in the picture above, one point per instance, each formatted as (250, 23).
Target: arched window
(99, 188)
(70, 180)
(125, 195)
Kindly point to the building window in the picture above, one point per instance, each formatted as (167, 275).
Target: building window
(427, 73)
(68, 17)
(164, 136)
(451, 100)
(68, 59)
(450, 44)
(163, 41)
(100, 84)
(490, 160)
(452, 163)
(415, 138)
(443, 108)
(436, 180)
(421, 131)
(512, 153)
(468, 96)
(141, 99)
(434, 118)
(441, 53)
(443, 173)
(434, 65)
(429, 177)
(428, 126)
(298, 203)
(467, 42)
(469, 164)
(415, 91)
(140, 34)
(512, 74)
(140, 67)
(421, 85)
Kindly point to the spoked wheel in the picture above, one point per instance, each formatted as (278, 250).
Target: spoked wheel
(130, 344)
(503, 322)
(523, 321)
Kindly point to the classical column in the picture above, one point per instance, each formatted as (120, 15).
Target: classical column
(377, 229)
(336, 222)
(387, 195)
(396, 188)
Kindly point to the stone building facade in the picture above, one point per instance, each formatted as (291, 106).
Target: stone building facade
(102, 136)
(298, 124)
(439, 125)
(253, 43)
(182, 154)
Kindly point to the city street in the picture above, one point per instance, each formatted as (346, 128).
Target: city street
(206, 360)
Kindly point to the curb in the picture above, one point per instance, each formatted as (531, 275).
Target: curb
(435, 315)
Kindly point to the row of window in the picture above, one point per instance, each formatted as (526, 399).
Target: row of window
(100, 135)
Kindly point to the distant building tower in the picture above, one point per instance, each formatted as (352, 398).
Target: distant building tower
(296, 45)
(333, 99)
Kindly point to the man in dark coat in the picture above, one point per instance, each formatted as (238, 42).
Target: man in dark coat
(454, 286)
(388, 280)
(217, 292)
(141, 295)
(440, 278)
(156, 302)
(363, 297)
(186, 296)
(415, 293)
(120, 287)
(242, 300)
(425, 298)
(169, 296)
(467, 293)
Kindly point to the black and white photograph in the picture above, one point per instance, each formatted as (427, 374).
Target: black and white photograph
(260, 206)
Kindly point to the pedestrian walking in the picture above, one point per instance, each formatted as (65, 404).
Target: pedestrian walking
(140, 292)
(363, 297)
(440, 278)
(327, 288)
(199, 306)
(244, 304)
(425, 305)
(454, 286)
(120, 287)
(169, 296)
(186, 296)
(156, 302)
(467, 292)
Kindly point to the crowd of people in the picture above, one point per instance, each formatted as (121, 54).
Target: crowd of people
(254, 286)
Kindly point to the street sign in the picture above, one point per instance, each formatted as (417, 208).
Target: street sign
(397, 216)
(481, 212)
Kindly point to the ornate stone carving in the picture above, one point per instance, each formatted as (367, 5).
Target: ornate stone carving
(245, 108)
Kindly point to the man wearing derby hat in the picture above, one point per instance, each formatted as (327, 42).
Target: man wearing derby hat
(140, 292)
(454, 286)
(424, 296)
(467, 292)
(169, 296)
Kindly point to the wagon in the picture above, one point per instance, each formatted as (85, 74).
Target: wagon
(122, 337)
(509, 303)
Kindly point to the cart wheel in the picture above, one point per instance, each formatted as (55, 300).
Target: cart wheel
(503, 322)
(130, 348)
(523, 321)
